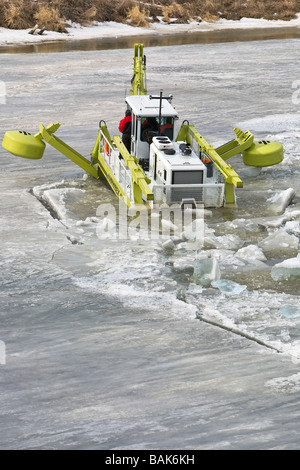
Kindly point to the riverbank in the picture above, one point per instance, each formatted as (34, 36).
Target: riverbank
(105, 30)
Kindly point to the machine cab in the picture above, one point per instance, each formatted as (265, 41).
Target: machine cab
(151, 117)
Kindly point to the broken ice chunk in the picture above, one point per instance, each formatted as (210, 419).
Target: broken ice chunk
(229, 287)
(205, 271)
(168, 246)
(250, 253)
(280, 243)
(274, 222)
(225, 242)
(281, 201)
(290, 311)
(288, 269)
(293, 226)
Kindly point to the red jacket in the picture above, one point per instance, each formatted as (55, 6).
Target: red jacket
(125, 125)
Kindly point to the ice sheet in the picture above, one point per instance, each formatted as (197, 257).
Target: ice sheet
(112, 344)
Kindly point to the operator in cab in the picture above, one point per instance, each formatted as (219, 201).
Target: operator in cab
(125, 128)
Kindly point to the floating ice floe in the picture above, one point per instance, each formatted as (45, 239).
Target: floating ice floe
(168, 246)
(55, 197)
(167, 226)
(275, 123)
(293, 226)
(280, 244)
(274, 222)
(194, 231)
(251, 253)
(290, 311)
(229, 259)
(206, 270)
(242, 225)
(280, 201)
(225, 242)
(229, 287)
(250, 171)
(287, 219)
(290, 384)
(287, 270)
(293, 212)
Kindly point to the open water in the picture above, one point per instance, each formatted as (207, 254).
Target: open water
(111, 344)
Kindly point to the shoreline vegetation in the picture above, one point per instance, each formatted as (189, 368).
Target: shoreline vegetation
(52, 15)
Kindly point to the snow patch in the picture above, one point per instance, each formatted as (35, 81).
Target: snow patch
(112, 29)
(289, 384)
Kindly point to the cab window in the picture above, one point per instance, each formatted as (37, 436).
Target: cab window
(167, 127)
(149, 125)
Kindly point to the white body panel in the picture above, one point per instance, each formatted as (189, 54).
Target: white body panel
(176, 171)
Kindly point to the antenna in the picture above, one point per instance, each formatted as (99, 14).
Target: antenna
(160, 98)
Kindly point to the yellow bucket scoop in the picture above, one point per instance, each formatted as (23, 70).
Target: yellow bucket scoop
(23, 144)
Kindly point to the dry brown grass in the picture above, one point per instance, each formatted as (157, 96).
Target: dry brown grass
(48, 17)
(176, 11)
(124, 7)
(138, 17)
(76, 11)
(2, 13)
(89, 15)
(284, 10)
(22, 14)
(18, 14)
(237, 9)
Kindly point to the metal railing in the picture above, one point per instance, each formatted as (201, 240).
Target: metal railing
(117, 165)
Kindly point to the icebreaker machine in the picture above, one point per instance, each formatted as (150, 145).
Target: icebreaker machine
(166, 163)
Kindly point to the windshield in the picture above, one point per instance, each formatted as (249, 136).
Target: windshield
(151, 124)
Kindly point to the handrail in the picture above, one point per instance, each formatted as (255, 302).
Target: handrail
(232, 179)
(140, 180)
(226, 170)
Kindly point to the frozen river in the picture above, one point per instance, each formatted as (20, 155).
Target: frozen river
(111, 345)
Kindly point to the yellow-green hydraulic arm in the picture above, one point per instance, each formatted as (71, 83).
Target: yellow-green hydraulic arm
(139, 80)
(218, 156)
(65, 149)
